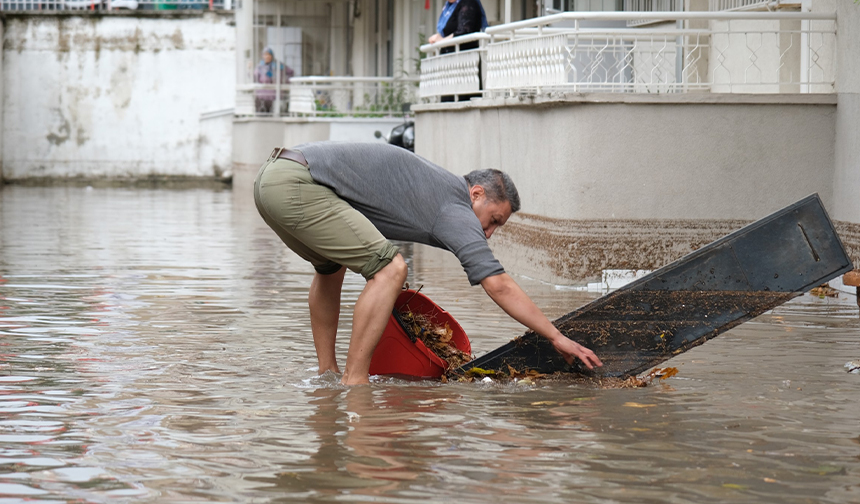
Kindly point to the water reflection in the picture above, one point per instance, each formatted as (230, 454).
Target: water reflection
(155, 347)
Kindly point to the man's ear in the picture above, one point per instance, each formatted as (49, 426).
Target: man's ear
(475, 192)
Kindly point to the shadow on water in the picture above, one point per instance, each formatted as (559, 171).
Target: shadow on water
(155, 347)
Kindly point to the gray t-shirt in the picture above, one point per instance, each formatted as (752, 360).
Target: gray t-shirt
(406, 197)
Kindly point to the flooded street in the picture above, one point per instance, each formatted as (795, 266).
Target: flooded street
(155, 347)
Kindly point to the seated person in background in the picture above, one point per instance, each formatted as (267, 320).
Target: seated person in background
(266, 73)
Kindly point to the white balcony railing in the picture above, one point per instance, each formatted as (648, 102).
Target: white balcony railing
(727, 5)
(719, 52)
(103, 5)
(328, 97)
(454, 73)
(651, 6)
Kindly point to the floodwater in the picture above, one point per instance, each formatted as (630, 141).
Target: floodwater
(155, 347)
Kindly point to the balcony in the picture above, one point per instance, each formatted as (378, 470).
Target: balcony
(681, 52)
(328, 97)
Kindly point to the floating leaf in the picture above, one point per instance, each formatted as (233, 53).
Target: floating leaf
(666, 372)
(476, 371)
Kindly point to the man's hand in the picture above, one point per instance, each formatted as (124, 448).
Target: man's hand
(516, 303)
(570, 349)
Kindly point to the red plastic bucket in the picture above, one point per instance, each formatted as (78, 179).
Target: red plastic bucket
(396, 354)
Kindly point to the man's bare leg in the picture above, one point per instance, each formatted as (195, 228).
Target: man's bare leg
(324, 304)
(372, 311)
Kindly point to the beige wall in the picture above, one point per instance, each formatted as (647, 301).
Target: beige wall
(693, 157)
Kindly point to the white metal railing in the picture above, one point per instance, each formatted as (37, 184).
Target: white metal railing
(328, 97)
(102, 5)
(727, 5)
(453, 73)
(722, 52)
(651, 6)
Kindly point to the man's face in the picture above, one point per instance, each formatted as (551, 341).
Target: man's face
(492, 214)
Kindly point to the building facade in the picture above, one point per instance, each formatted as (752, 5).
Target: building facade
(636, 139)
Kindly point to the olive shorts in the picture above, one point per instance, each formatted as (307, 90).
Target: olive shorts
(316, 224)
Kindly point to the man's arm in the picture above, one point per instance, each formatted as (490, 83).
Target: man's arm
(505, 292)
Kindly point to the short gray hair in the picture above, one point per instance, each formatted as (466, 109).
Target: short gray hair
(497, 185)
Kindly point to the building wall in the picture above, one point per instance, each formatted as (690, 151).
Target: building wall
(846, 179)
(117, 96)
(2, 73)
(613, 181)
(729, 158)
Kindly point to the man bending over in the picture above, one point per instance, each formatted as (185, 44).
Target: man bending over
(337, 205)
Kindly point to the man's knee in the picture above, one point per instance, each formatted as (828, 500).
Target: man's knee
(395, 270)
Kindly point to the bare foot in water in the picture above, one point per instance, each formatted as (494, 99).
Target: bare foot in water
(347, 379)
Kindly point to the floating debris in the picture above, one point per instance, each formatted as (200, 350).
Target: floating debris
(436, 337)
(479, 372)
(638, 381)
(853, 366)
(824, 291)
(531, 376)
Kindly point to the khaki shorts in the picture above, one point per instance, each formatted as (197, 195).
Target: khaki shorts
(316, 224)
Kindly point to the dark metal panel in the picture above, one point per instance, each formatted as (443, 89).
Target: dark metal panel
(717, 271)
(697, 297)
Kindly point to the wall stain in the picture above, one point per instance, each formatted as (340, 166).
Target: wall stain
(69, 34)
(62, 40)
(120, 87)
(575, 251)
(178, 40)
(63, 131)
(849, 233)
(81, 136)
(136, 40)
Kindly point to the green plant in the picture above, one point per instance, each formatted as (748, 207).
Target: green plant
(389, 100)
(324, 106)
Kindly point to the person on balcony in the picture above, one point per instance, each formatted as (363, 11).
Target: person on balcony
(459, 17)
(338, 204)
(267, 73)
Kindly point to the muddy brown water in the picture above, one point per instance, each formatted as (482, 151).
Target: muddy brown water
(155, 347)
